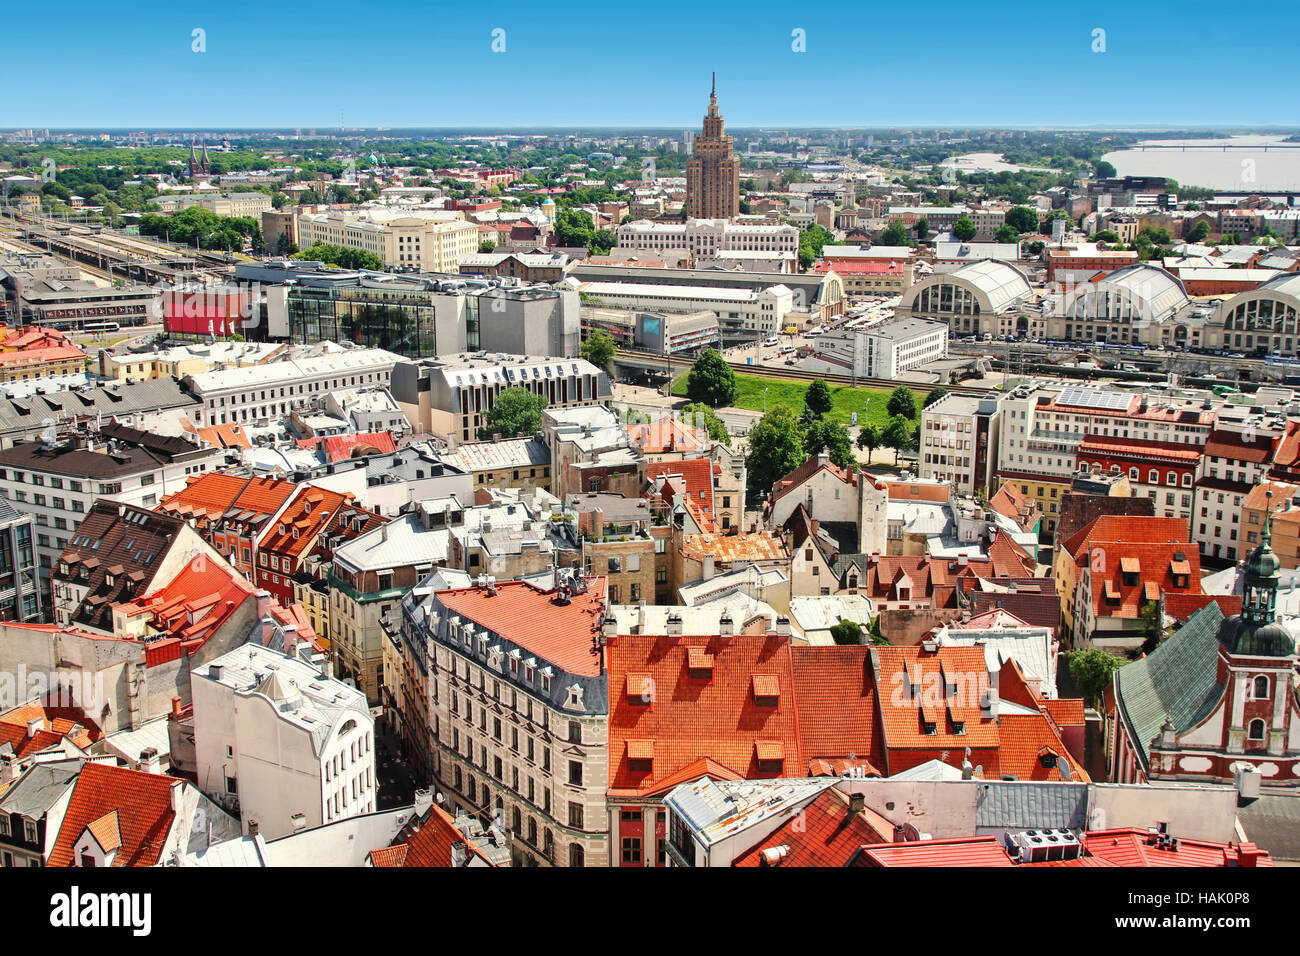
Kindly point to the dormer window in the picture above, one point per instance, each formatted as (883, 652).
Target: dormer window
(767, 690)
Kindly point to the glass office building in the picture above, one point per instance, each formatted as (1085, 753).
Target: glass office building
(398, 320)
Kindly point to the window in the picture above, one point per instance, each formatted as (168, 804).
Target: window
(575, 855)
(631, 850)
(1260, 690)
(231, 788)
(1257, 730)
(575, 773)
(575, 732)
(575, 813)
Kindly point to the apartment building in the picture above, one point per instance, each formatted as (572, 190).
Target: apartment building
(1043, 427)
(426, 243)
(959, 442)
(58, 480)
(451, 397)
(281, 742)
(711, 238)
(518, 710)
(267, 392)
(1233, 461)
(20, 592)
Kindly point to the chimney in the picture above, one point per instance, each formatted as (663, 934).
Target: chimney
(989, 704)
(783, 626)
(214, 672)
(178, 794)
(726, 626)
(609, 627)
(383, 532)
(253, 827)
(708, 567)
(640, 616)
(423, 801)
(773, 856)
(459, 853)
(149, 762)
(35, 726)
(263, 604)
(857, 803)
(327, 669)
(299, 822)
(900, 833)
(674, 624)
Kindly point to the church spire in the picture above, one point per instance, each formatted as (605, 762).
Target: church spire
(1261, 574)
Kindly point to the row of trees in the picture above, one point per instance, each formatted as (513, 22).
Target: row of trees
(197, 225)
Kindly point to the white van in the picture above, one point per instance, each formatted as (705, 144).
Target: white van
(787, 349)
(768, 343)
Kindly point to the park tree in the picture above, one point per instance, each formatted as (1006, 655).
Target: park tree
(1022, 219)
(699, 415)
(963, 229)
(902, 401)
(776, 447)
(923, 229)
(934, 395)
(1006, 234)
(895, 234)
(487, 245)
(897, 435)
(832, 438)
(1104, 169)
(1200, 232)
(1092, 670)
(598, 349)
(516, 411)
(817, 400)
(1106, 235)
(869, 438)
(711, 380)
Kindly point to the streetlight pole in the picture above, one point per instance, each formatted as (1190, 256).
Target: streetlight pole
(765, 388)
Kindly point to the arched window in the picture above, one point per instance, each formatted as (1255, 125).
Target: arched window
(1256, 731)
(1260, 691)
(1171, 478)
(576, 855)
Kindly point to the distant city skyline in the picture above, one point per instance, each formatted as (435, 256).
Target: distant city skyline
(409, 65)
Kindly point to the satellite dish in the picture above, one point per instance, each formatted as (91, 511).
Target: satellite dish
(1063, 766)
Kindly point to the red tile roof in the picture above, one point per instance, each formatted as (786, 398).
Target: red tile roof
(527, 616)
(1132, 846)
(692, 717)
(214, 494)
(55, 719)
(191, 608)
(965, 851)
(1234, 444)
(143, 805)
(823, 833)
(1181, 606)
(836, 701)
(917, 491)
(669, 435)
(1178, 453)
(426, 841)
(697, 475)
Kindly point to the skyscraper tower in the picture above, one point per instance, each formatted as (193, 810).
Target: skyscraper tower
(713, 172)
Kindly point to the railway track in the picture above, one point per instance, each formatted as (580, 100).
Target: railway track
(676, 366)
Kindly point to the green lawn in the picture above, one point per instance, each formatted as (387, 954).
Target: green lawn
(784, 391)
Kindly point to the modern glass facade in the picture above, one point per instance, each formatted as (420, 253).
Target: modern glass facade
(401, 322)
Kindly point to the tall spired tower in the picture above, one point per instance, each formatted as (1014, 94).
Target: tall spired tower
(713, 172)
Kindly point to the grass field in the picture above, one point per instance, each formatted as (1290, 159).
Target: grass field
(783, 391)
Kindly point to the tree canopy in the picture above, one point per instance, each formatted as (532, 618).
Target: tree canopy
(832, 438)
(817, 400)
(599, 348)
(895, 234)
(1092, 670)
(934, 395)
(699, 415)
(847, 632)
(776, 447)
(1022, 219)
(898, 435)
(711, 380)
(341, 257)
(902, 401)
(517, 411)
(963, 229)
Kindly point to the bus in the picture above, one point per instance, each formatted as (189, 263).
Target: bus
(100, 327)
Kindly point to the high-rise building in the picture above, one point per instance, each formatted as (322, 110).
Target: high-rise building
(713, 172)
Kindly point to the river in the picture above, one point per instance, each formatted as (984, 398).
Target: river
(1216, 168)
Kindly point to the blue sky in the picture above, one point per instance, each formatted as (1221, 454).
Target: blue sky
(647, 64)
